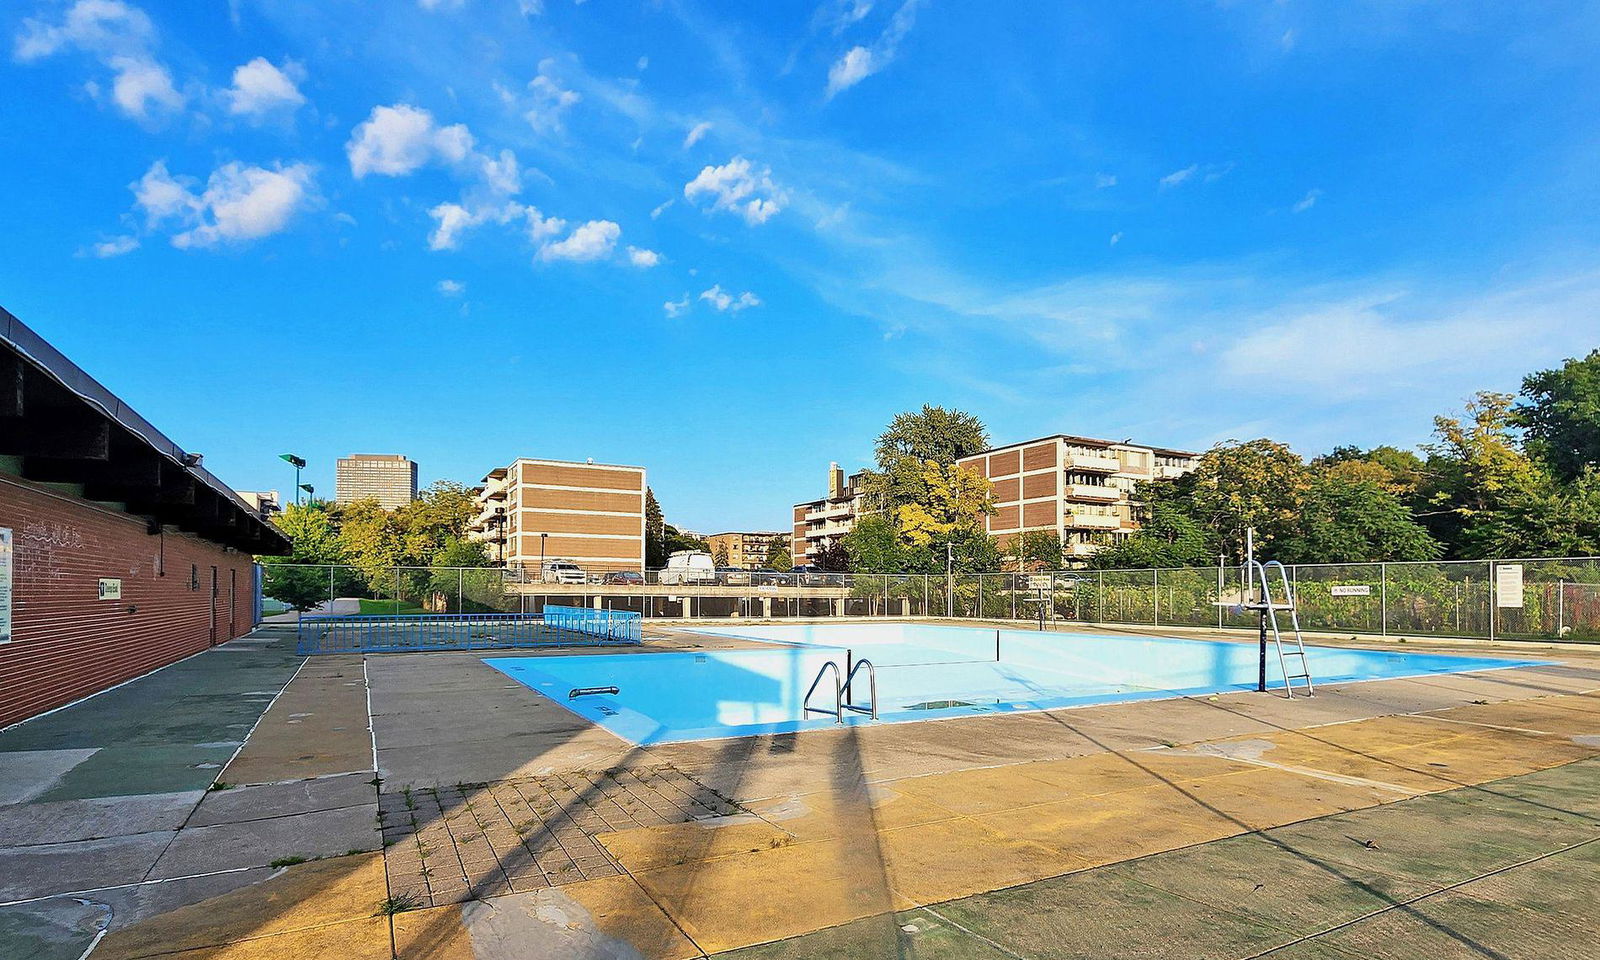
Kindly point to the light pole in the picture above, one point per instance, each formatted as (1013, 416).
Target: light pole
(298, 464)
(310, 493)
(541, 553)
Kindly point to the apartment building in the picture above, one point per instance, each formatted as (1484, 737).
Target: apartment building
(1078, 487)
(745, 550)
(589, 513)
(818, 521)
(389, 479)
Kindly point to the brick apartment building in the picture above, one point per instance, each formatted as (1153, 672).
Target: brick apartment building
(589, 513)
(119, 553)
(748, 550)
(828, 518)
(387, 478)
(1078, 487)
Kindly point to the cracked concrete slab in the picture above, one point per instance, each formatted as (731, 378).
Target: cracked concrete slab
(256, 843)
(261, 801)
(25, 774)
(52, 868)
(64, 821)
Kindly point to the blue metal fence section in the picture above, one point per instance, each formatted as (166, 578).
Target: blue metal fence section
(475, 631)
(607, 626)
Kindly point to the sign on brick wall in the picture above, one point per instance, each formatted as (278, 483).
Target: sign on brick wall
(5, 584)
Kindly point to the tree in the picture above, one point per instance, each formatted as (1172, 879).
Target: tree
(1257, 484)
(1399, 471)
(830, 556)
(913, 439)
(720, 557)
(673, 540)
(313, 539)
(1497, 500)
(1168, 536)
(655, 551)
(954, 499)
(873, 546)
(778, 556)
(1037, 550)
(1561, 414)
(1344, 520)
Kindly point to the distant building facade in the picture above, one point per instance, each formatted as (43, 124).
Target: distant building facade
(824, 520)
(389, 479)
(264, 502)
(746, 550)
(1077, 487)
(589, 513)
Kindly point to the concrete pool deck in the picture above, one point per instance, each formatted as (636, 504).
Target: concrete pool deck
(1446, 816)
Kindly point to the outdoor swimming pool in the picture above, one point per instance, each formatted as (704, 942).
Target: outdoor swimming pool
(923, 672)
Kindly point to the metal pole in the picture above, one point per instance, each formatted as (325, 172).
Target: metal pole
(1561, 603)
(1383, 596)
(1219, 591)
(1261, 675)
(330, 588)
(949, 579)
(1494, 598)
(1155, 595)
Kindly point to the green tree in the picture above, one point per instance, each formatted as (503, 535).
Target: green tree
(1257, 484)
(1561, 413)
(1037, 550)
(778, 556)
(1169, 535)
(655, 549)
(1496, 500)
(1353, 521)
(830, 556)
(313, 539)
(873, 546)
(912, 440)
(953, 498)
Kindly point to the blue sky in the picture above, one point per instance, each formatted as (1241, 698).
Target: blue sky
(729, 241)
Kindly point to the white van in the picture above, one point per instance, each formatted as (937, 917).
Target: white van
(560, 571)
(689, 566)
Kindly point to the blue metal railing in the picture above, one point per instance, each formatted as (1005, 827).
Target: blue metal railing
(559, 626)
(608, 626)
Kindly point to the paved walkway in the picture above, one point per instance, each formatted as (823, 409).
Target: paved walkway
(423, 806)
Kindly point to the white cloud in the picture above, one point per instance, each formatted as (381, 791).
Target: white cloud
(453, 220)
(724, 301)
(849, 70)
(660, 209)
(440, 4)
(1179, 177)
(260, 88)
(1116, 238)
(1308, 201)
(1104, 180)
(397, 140)
(451, 288)
(696, 132)
(121, 37)
(115, 247)
(594, 240)
(738, 187)
(860, 62)
(674, 308)
(640, 257)
(239, 202)
(550, 101)
(644, 63)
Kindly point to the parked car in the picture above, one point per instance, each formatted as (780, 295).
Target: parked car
(689, 566)
(624, 578)
(810, 575)
(560, 571)
(733, 576)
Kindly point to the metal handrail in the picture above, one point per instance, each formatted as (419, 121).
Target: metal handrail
(872, 688)
(838, 693)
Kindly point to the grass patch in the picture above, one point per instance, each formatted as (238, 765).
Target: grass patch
(286, 861)
(393, 905)
(373, 608)
(220, 785)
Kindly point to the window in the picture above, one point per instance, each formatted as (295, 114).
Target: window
(194, 576)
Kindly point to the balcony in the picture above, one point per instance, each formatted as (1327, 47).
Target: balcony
(842, 509)
(1088, 491)
(1091, 521)
(1094, 464)
(1081, 550)
(1171, 472)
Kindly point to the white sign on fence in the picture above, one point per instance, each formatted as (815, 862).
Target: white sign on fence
(1350, 590)
(110, 589)
(1040, 583)
(1508, 585)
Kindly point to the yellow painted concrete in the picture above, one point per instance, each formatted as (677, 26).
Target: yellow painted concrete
(952, 858)
(363, 939)
(674, 843)
(1567, 716)
(620, 908)
(302, 897)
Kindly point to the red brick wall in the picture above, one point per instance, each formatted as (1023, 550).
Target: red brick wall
(67, 643)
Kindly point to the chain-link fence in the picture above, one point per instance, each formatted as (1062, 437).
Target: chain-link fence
(1536, 599)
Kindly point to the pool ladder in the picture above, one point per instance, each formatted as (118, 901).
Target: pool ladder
(842, 700)
(1270, 608)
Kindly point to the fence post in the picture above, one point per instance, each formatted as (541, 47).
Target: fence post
(1493, 599)
(1219, 591)
(330, 588)
(1383, 597)
(1155, 595)
(1100, 600)
(461, 590)
(1561, 604)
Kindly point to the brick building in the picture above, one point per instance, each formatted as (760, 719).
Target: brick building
(746, 550)
(824, 520)
(589, 513)
(119, 553)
